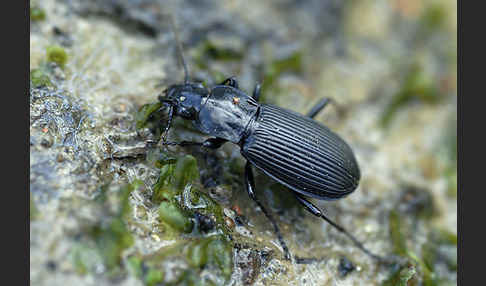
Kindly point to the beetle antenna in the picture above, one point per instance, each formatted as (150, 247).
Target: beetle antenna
(179, 49)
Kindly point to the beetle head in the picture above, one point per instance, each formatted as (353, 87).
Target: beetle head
(185, 99)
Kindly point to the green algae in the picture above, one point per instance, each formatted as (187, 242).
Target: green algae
(417, 84)
(179, 201)
(134, 264)
(203, 204)
(430, 252)
(37, 13)
(213, 253)
(111, 241)
(163, 188)
(145, 112)
(154, 277)
(185, 172)
(197, 254)
(219, 252)
(39, 78)
(401, 276)
(212, 250)
(174, 177)
(434, 16)
(178, 179)
(174, 216)
(396, 234)
(215, 52)
(164, 159)
(111, 238)
(56, 54)
(292, 63)
(210, 51)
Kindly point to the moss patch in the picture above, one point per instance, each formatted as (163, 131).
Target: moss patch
(174, 177)
(430, 254)
(108, 239)
(37, 13)
(212, 51)
(39, 78)
(417, 85)
(291, 63)
(209, 254)
(174, 216)
(56, 54)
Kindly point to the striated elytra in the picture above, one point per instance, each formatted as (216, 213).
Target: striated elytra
(301, 154)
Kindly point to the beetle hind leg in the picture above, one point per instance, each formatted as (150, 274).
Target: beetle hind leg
(250, 188)
(256, 92)
(211, 143)
(318, 107)
(317, 212)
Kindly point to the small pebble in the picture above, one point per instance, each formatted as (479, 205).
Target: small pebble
(229, 222)
(46, 143)
(345, 267)
(60, 158)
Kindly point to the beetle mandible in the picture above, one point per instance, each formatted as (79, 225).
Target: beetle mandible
(294, 150)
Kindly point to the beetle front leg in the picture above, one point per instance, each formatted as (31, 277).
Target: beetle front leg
(317, 212)
(211, 143)
(250, 188)
(214, 143)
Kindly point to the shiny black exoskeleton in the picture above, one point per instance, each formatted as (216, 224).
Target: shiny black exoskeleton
(291, 148)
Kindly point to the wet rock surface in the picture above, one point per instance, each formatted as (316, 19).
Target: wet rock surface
(108, 208)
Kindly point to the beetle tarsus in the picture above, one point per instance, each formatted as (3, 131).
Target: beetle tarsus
(250, 188)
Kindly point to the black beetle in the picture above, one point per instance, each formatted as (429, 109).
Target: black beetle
(293, 149)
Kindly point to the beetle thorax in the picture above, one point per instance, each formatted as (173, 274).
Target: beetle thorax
(225, 113)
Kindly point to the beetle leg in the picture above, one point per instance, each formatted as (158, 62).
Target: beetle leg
(317, 212)
(318, 107)
(182, 143)
(214, 143)
(231, 81)
(256, 92)
(250, 188)
(169, 123)
(211, 143)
